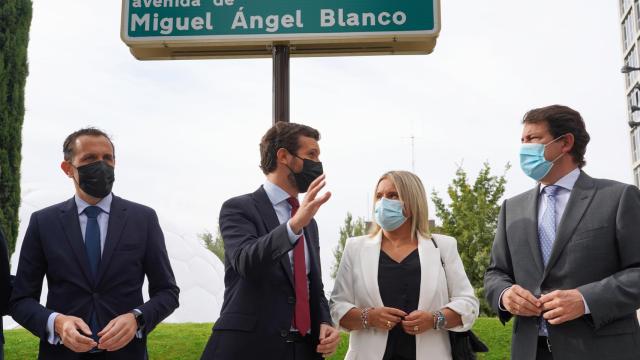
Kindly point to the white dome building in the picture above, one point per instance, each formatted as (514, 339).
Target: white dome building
(199, 273)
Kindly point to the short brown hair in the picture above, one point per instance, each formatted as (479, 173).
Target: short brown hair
(69, 147)
(282, 135)
(563, 120)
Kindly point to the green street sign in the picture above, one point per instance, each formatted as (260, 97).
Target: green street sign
(169, 29)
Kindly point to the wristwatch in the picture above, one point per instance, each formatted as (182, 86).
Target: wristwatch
(137, 314)
(439, 320)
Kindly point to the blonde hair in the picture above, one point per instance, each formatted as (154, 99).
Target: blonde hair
(412, 194)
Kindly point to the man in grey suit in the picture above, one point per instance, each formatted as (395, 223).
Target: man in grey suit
(566, 257)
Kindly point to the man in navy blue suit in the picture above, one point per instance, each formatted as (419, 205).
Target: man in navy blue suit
(5, 287)
(274, 304)
(95, 250)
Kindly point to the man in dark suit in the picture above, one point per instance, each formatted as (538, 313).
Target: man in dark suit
(95, 250)
(5, 287)
(566, 256)
(274, 303)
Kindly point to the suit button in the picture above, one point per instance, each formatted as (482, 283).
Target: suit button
(291, 300)
(96, 296)
(284, 333)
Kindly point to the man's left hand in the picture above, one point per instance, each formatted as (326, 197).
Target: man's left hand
(118, 332)
(561, 306)
(329, 340)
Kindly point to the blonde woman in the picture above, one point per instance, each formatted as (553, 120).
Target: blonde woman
(391, 291)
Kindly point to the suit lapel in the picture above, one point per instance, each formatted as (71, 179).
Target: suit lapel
(579, 201)
(369, 261)
(117, 220)
(531, 233)
(270, 219)
(430, 264)
(71, 226)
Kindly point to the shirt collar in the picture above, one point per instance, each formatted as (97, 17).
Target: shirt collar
(104, 204)
(566, 182)
(275, 193)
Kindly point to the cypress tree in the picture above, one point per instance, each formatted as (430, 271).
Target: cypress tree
(15, 21)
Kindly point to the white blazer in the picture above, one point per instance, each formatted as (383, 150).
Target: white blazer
(357, 286)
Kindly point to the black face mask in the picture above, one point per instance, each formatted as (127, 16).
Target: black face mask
(311, 170)
(96, 179)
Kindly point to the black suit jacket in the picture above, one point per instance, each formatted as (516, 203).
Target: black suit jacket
(259, 295)
(53, 247)
(5, 282)
(596, 250)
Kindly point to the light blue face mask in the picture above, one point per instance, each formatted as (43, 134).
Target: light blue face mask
(532, 160)
(388, 214)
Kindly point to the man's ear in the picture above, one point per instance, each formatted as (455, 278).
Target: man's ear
(67, 168)
(282, 156)
(569, 141)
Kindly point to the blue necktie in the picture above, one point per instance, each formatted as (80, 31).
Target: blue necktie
(547, 233)
(92, 238)
(547, 225)
(92, 246)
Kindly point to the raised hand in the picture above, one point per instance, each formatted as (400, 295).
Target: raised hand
(310, 205)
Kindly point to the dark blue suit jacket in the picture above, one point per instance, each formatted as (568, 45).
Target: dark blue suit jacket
(259, 295)
(5, 282)
(53, 247)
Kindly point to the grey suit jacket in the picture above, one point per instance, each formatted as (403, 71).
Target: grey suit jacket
(597, 251)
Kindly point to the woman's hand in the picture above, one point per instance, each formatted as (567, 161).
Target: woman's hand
(385, 318)
(417, 322)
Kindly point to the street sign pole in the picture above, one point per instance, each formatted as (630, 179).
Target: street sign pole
(281, 57)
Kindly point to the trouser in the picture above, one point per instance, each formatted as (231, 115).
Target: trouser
(544, 350)
(299, 347)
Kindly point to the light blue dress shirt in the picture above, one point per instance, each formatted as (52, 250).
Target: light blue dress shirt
(566, 184)
(278, 198)
(103, 224)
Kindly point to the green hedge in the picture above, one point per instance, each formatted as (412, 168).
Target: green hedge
(15, 20)
(186, 341)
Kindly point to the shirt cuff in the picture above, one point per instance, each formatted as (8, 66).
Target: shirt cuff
(139, 332)
(292, 236)
(52, 337)
(500, 300)
(586, 307)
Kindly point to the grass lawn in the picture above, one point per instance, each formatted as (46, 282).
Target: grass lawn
(186, 341)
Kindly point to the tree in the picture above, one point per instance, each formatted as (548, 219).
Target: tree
(351, 228)
(471, 217)
(216, 245)
(15, 20)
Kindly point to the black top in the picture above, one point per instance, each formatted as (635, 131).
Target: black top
(399, 285)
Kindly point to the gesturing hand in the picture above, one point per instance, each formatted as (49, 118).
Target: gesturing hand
(329, 340)
(417, 322)
(562, 305)
(67, 328)
(385, 318)
(310, 205)
(118, 332)
(519, 301)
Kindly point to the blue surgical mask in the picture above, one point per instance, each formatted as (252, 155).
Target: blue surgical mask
(388, 214)
(532, 160)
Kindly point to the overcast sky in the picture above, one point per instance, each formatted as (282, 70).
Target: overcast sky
(187, 132)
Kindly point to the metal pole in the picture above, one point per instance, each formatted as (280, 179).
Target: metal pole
(280, 83)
